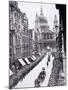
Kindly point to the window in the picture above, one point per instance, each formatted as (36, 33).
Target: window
(50, 36)
(45, 36)
(18, 51)
(17, 40)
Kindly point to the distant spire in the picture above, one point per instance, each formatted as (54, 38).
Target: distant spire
(36, 19)
(41, 11)
(56, 25)
(55, 20)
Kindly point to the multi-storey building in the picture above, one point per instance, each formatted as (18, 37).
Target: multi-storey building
(18, 33)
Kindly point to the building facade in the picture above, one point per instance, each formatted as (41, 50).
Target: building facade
(19, 38)
(43, 36)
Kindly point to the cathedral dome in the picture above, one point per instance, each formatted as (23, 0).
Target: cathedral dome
(42, 18)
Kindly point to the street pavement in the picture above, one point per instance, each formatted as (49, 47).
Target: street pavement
(30, 78)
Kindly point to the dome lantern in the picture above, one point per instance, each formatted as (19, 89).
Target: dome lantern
(41, 11)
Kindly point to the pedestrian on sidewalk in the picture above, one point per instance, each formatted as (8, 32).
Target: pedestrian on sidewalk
(48, 60)
(40, 78)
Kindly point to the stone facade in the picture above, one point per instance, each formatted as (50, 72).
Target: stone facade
(18, 33)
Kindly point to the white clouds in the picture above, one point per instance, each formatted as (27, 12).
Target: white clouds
(31, 9)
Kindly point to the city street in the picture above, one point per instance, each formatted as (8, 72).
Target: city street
(37, 45)
(30, 78)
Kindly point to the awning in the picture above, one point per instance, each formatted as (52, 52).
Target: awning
(33, 57)
(26, 59)
(22, 62)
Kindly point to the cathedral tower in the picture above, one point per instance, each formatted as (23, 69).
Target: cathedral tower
(56, 26)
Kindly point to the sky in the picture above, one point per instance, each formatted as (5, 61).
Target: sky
(31, 9)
